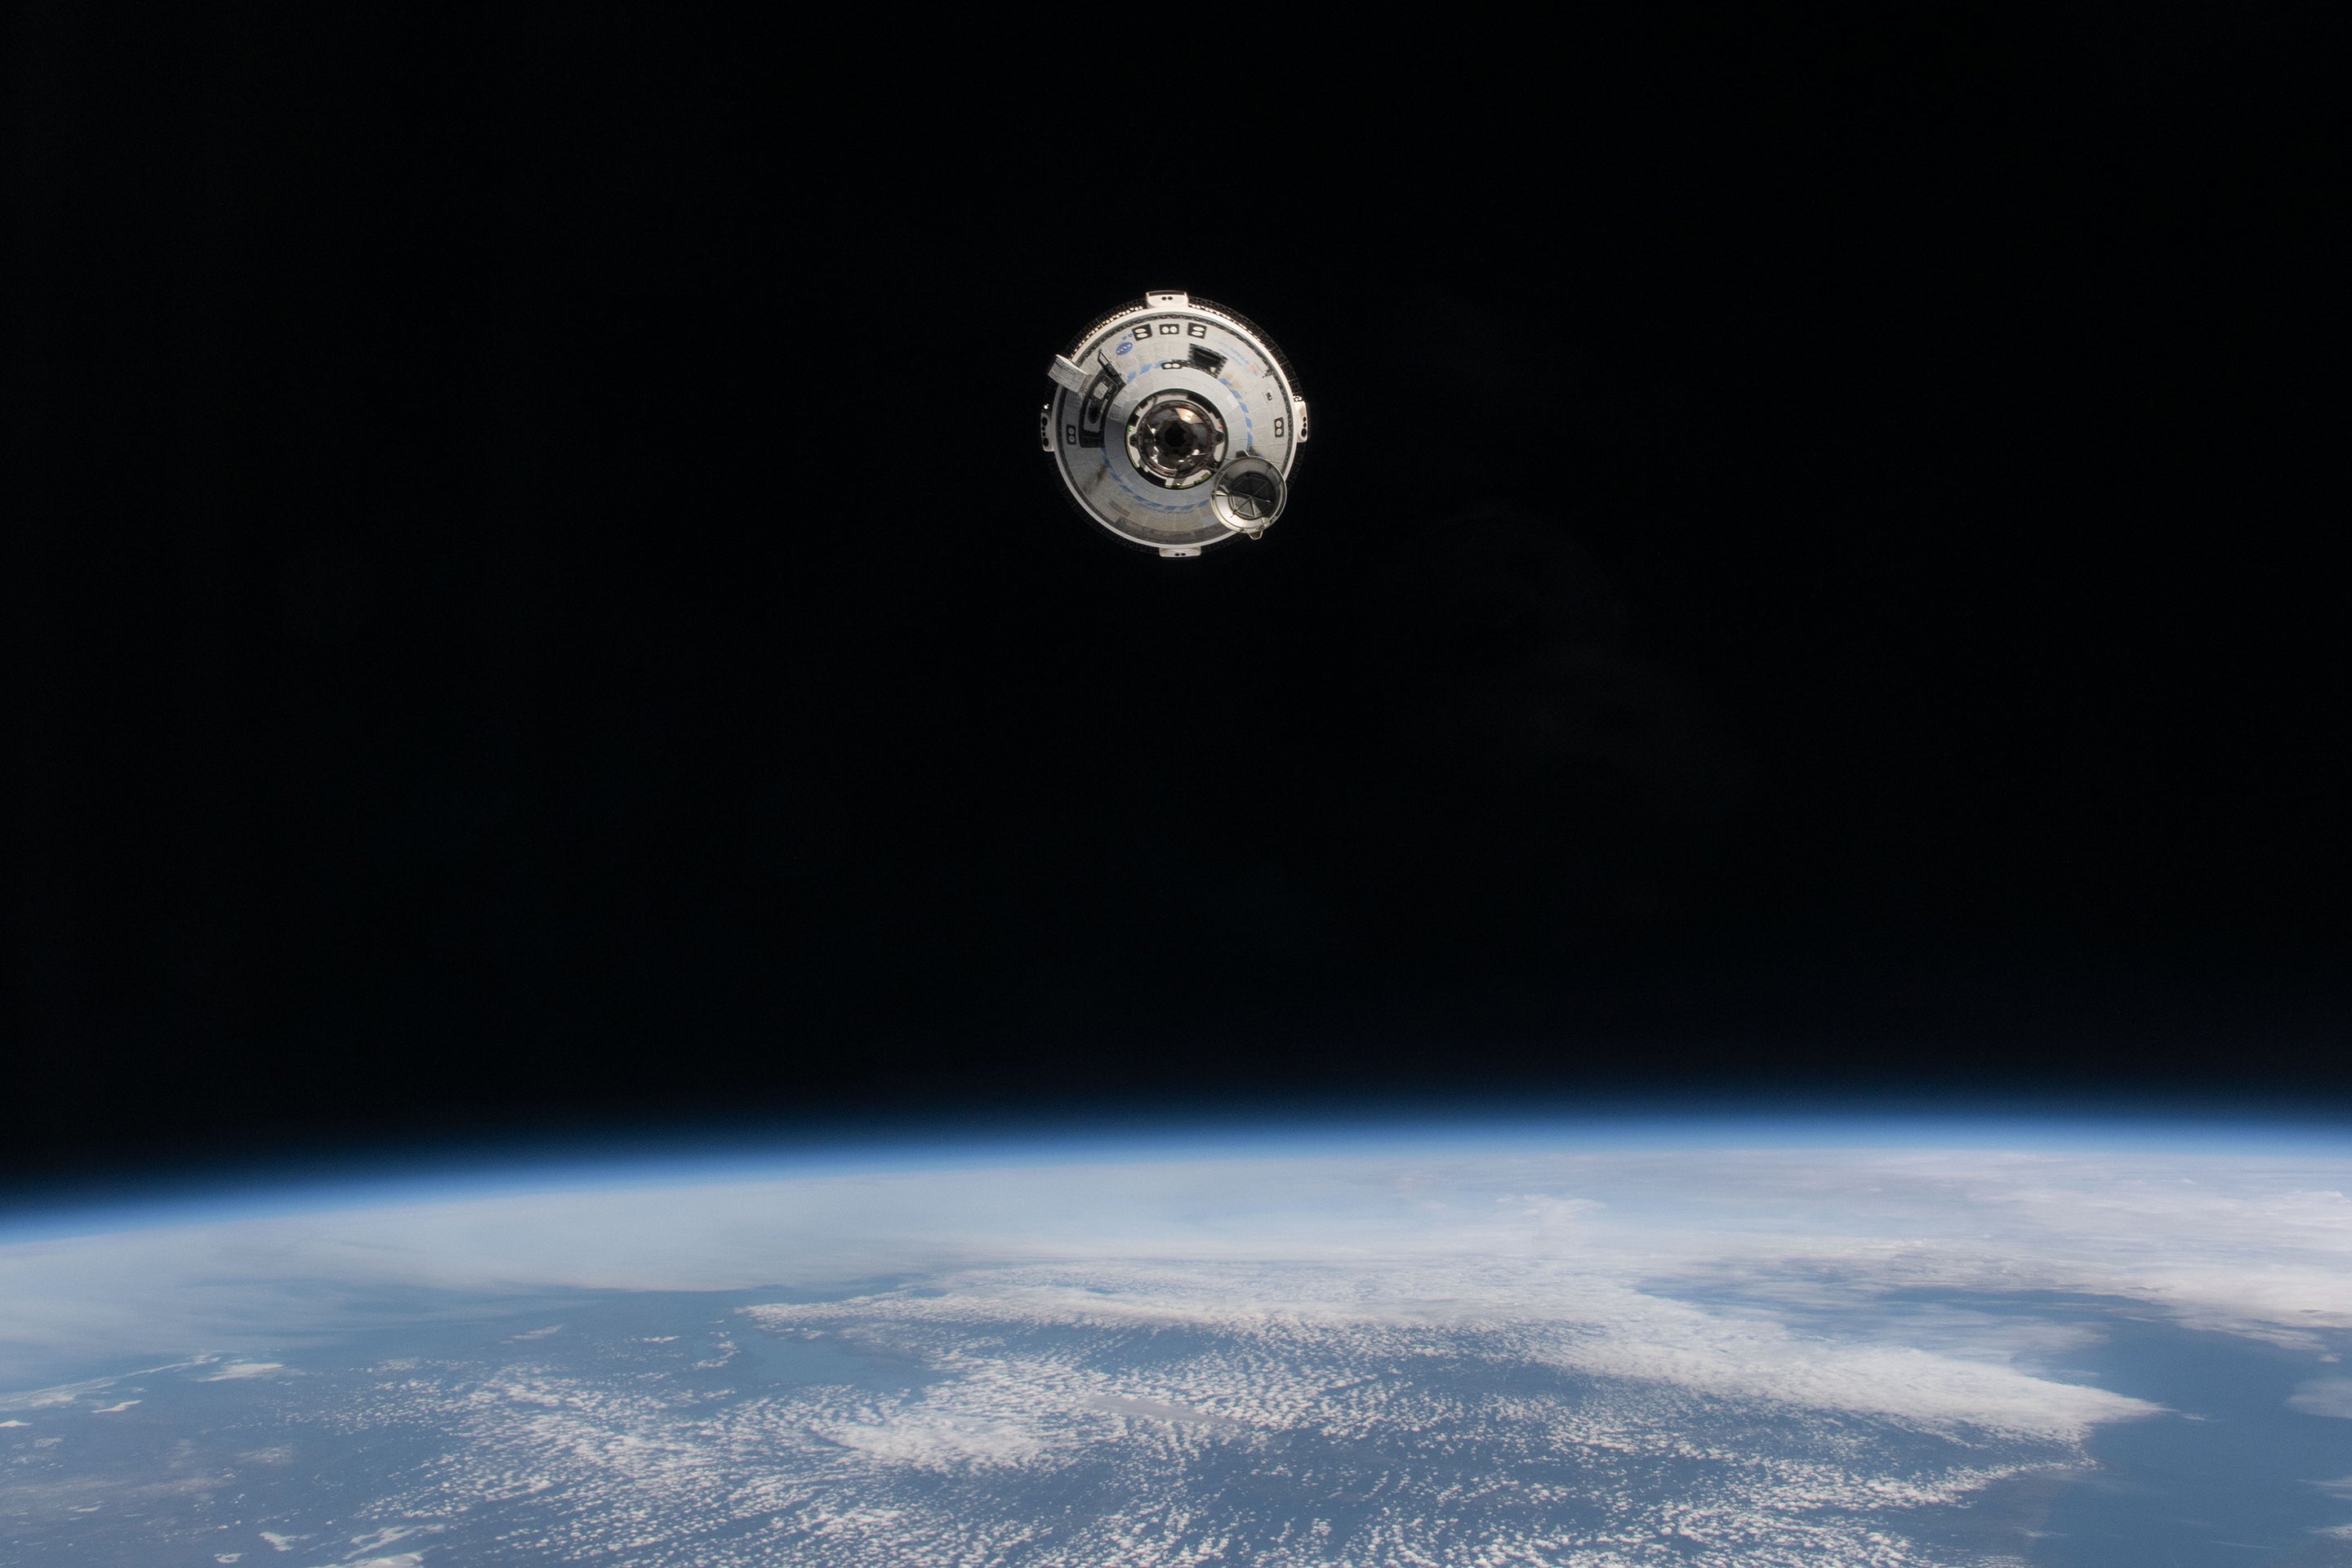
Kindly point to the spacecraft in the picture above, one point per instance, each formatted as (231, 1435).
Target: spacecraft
(1174, 422)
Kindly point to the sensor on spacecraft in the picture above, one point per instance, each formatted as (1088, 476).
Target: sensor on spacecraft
(1174, 422)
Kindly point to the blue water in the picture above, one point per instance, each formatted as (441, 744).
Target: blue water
(2228, 1480)
(2226, 1476)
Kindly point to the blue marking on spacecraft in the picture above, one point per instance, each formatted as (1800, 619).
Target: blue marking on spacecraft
(1112, 469)
(1249, 426)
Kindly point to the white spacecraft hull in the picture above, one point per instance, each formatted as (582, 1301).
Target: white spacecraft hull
(1174, 423)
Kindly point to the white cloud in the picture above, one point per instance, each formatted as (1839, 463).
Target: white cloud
(388, 1535)
(931, 1440)
(2324, 1396)
(2250, 1245)
(1154, 1409)
(1052, 1381)
(1534, 1311)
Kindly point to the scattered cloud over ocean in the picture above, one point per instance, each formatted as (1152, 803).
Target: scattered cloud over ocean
(1536, 1313)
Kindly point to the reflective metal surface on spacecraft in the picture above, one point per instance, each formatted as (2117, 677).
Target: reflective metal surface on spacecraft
(1174, 423)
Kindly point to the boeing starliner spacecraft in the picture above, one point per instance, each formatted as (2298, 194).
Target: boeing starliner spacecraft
(1174, 422)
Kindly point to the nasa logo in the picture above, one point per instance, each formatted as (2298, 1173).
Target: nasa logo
(1124, 347)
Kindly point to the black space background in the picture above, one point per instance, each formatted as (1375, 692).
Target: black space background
(530, 592)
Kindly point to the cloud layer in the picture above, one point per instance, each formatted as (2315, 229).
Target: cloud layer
(2242, 1244)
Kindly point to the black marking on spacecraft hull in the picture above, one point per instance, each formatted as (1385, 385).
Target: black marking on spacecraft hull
(1206, 361)
(1105, 388)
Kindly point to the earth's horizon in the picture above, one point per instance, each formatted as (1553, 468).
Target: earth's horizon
(1777, 1340)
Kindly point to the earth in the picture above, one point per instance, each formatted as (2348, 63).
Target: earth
(1538, 1345)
